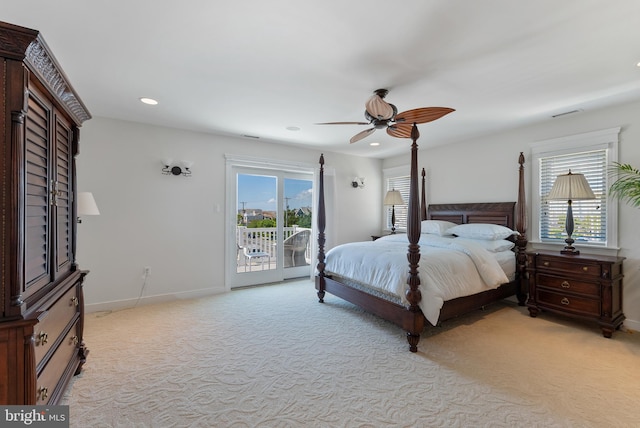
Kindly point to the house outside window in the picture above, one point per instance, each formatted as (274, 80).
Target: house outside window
(595, 220)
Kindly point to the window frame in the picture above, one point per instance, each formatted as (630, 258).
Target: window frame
(606, 139)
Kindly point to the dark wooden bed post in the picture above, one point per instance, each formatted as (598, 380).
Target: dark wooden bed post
(416, 322)
(423, 196)
(320, 280)
(521, 239)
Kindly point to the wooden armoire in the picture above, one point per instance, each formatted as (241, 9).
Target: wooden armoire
(41, 297)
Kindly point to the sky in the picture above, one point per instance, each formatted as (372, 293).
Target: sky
(259, 192)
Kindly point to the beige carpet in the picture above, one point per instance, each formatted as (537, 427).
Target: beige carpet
(275, 357)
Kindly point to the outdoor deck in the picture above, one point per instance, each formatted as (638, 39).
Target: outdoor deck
(257, 249)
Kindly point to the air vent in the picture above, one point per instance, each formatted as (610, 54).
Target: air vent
(566, 113)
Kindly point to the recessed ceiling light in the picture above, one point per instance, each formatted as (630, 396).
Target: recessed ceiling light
(149, 101)
(293, 128)
(374, 144)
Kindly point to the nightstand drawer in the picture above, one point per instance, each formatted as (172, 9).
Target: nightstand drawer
(569, 303)
(569, 285)
(567, 266)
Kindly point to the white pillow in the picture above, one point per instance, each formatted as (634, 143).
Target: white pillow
(495, 246)
(436, 227)
(489, 232)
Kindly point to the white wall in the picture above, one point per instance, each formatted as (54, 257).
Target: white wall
(486, 169)
(172, 224)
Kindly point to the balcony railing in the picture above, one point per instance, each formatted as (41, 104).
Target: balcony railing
(264, 239)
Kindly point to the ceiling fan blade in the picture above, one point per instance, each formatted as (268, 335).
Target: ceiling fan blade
(360, 135)
(344, 123)
(423, 115)
(398, 130)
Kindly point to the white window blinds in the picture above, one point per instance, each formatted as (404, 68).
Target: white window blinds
(590, 216)
(400, 184)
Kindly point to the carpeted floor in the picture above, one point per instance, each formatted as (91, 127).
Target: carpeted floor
(274, 357)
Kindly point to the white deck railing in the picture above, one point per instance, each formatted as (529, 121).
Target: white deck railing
(263, 239)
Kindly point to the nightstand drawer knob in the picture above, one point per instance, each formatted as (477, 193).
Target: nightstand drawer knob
(585, 268)
(564, 301)
(546, 263)
(565, 284)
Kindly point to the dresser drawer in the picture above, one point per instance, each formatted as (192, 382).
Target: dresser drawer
(568, 303)
(53, 322)
(585, 268)
(570, 285)
(56, 366)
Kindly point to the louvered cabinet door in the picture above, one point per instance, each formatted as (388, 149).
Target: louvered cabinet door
(63, 203)
(38, 272)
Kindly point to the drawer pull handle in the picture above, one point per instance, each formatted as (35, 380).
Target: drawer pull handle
(585, 268)
(565, 284)
(74, 301)
(74, 340)
(43, 338)
(564, 301)
(43, 393)
(546, 263)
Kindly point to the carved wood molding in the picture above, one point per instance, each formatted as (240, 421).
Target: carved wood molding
(24, 44)
(14, 40)
(42, 62)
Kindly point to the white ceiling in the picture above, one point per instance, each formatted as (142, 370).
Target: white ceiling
(256, 67)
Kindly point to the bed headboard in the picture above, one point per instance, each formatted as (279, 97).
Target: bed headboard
(501, 213)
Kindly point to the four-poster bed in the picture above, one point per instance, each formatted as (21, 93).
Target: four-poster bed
(406, 312)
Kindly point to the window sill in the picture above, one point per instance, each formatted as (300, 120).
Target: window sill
(584, 249)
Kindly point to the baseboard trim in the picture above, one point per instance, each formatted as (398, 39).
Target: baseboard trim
(116, 305)
(631, 325)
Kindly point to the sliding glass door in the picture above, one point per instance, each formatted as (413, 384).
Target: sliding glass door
(272, 213)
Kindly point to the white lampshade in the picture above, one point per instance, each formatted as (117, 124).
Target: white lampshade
(574, 187)
(86, 204)
(393, 197)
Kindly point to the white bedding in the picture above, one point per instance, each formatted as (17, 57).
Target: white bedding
(448, 268)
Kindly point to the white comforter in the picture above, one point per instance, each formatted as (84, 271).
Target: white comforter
(448, 268)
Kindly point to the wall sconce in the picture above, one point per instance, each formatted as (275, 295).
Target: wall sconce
(86, 205)
(357, 182)
(176, 168)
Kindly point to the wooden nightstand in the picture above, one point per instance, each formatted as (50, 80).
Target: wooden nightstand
(584, 286)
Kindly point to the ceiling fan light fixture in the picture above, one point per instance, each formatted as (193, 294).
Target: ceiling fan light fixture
(378, 108)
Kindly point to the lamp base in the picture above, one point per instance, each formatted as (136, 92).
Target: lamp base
(570, 251)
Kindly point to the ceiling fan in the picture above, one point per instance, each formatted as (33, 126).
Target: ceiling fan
(381, 114)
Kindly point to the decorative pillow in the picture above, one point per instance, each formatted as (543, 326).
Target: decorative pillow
(489, 232)
(436, 227)
(495, 246)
